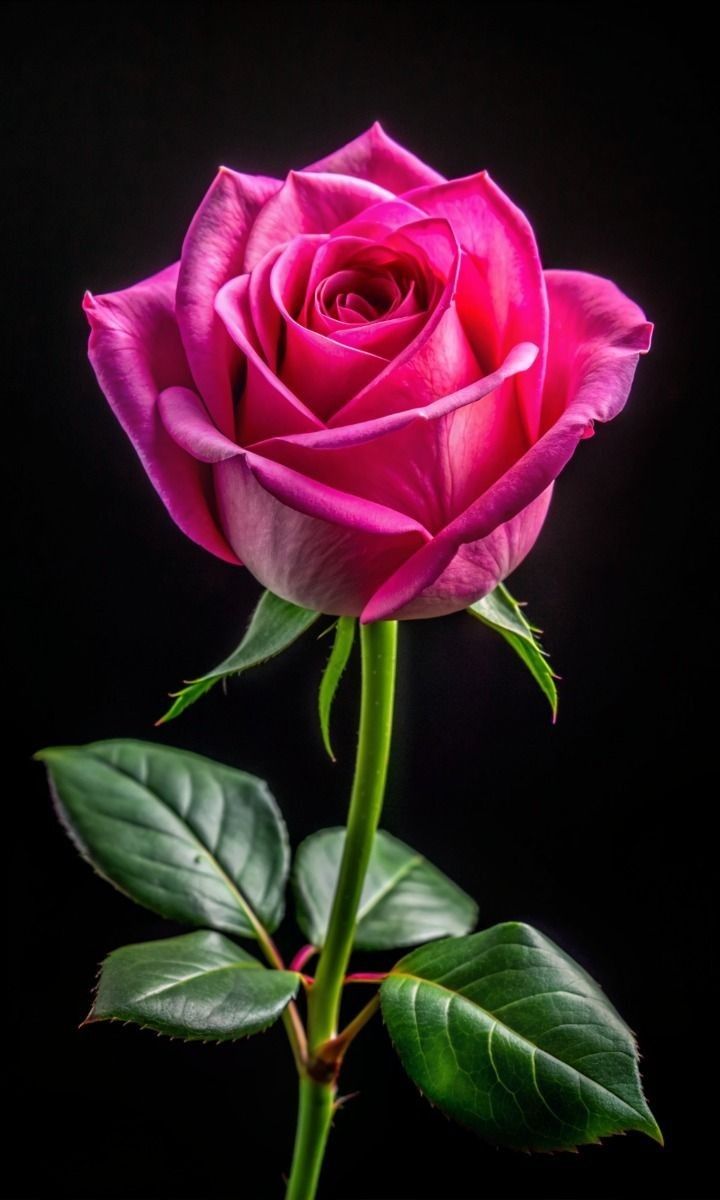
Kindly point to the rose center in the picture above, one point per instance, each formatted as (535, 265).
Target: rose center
(359, 294)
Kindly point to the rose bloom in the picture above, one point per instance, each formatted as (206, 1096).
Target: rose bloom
(360, 382)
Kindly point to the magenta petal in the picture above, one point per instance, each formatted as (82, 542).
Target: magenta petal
(308, 561)
(317, 499)
(478, 567)
(186, 419)
(308, 203)
(499, 236)
(267, 404)
(136, 351)
(322, 372)
(374, 223)
(440, 359)
(212, 253)
(520, 358)
(375, 156)
(417, 462)
(596, 337)
(386, 338)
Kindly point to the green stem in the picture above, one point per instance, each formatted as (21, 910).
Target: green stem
(313, 1125)
(378, 643)
(379, 646)
(334, 1049)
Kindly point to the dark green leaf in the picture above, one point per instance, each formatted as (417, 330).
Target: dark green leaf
(190, 838)
(342, 645)
(200, 985)
(509, 1036)
(502, 613)
(405, 898)
(274, 626)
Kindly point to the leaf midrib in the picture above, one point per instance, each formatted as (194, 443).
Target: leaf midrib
(201, 974)
(224, 669)
(518, 1036)
(416, 861)
(232, 887)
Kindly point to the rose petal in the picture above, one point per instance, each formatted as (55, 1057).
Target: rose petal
(212, 253)
(267, 321)
(596, 337)
(520, 358)
(386, 336)
(491, 228)
(440, 360)
(318, 499)
(136, 352)
(478, 567)
(419, 462)
(322, 372)
(375, 156)
(311, 562)
(376, 222)
(308, 203)
(267, 404)
(186, 420)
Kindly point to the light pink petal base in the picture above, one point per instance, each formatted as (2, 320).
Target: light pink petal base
(303, 559)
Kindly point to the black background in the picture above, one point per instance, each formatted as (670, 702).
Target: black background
(594, 119)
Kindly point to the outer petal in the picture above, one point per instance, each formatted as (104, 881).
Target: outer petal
(212, 253)
(376, 157)
(478, 567)
(188, 423)
(311, 562)
(519, 358)
(499, 236)
(136, 352)
(596, 337)
(186, 420)
(428, 463)
(309, 203)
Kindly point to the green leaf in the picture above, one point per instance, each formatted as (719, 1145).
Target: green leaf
(342, 645)
(505, 1033)
(194, 840)
(200, 985)
(405, 898)
(502, 613)
(274, 626)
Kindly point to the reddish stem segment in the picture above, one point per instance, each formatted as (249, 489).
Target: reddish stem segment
(303, 956)
(366, 977)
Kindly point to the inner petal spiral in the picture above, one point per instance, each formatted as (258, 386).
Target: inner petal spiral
(358, 294)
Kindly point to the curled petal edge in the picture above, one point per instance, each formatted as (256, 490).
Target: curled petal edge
(520, 358)
(186, 420)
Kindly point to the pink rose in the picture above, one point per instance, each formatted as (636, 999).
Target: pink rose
(360, 382)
